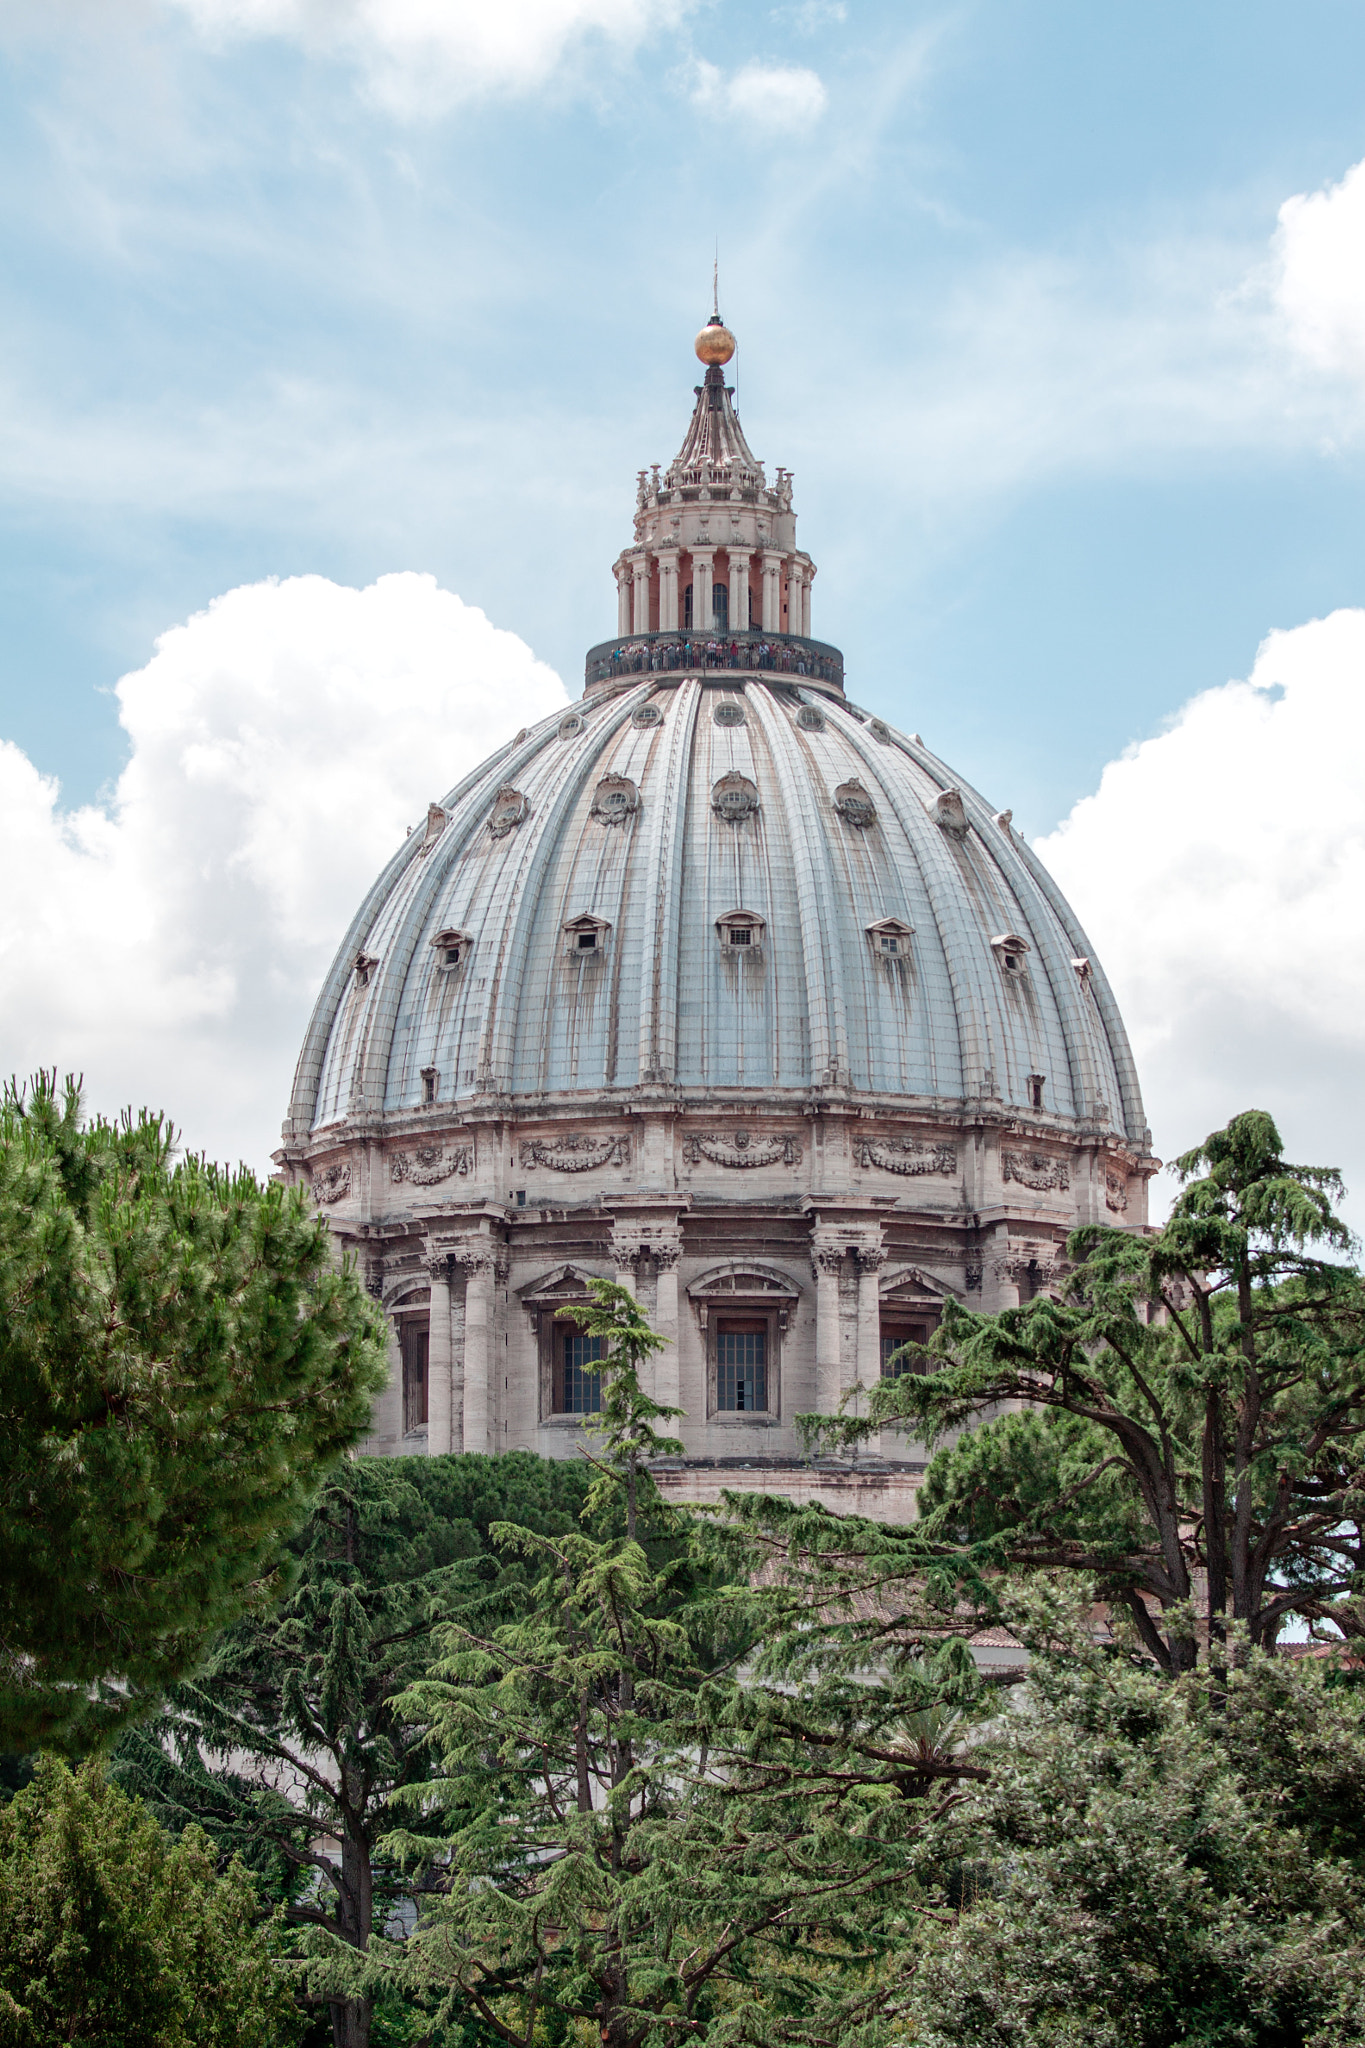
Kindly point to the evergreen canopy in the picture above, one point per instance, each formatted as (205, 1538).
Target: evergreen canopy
(112, 1934)
(1192, 1410)
(180, 1362)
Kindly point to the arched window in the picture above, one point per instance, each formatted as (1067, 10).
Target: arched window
(720, 607)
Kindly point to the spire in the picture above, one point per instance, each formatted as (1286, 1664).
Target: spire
(714, 450)
(715, 542)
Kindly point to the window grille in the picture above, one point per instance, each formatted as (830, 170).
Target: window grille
(580, 1387)
(742, 1366)
(892, 1341)
(414, 1343)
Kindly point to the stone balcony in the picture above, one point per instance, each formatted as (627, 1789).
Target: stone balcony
(812, 662)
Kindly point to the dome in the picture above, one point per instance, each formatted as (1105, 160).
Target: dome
(717, 985)
(903, 944)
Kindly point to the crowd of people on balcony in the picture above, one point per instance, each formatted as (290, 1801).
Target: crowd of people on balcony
(664, 651)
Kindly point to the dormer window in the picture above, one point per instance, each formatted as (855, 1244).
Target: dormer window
(365, 964)
(1012, 952)
(450, 948)
(586, 936)
(431, 1081)
(741, 931)
(890, 938)
(1035, 1090)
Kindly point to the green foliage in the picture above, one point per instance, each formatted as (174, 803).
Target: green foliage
(1204, 1389)
(111, 1933)
(1157, 1864)
(286, 1747)
(180, 1361)
(665, 1818)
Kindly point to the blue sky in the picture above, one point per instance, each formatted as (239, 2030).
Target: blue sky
(267, 312)
(1057, 311)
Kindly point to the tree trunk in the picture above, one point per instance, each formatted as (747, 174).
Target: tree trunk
(355, 1918)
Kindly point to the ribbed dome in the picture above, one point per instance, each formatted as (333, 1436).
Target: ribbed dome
(567, 922)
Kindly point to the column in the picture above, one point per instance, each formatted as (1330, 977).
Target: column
(640, 570)
(478, 1303)
(667, 1376)
(623, 606)
(438, 1359)
(772, 592)
(739, 589)
(807, 579)
(668, 592)
(827, 1260)
(870, 1260)
(703, 565)
(624, 1251)
(794, 580)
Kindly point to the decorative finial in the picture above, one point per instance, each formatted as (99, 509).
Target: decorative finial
(715, 343)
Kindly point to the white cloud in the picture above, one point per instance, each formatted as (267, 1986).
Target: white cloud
(1220, 871)
(1320, 273)
(769, 97)
(421, 56)
(170, 943)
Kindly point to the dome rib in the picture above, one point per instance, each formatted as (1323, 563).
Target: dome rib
(662, 1005)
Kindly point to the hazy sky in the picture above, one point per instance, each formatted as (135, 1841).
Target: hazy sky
(1057, 311)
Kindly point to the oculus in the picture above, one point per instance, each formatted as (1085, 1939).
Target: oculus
(949, 812)
(510, 809)
(854, 805)
(569, 725)
(436, 825)
(879, 730)
(810, 718)
(647, 714)
(734, 798)
(729, 712)
(615, 800)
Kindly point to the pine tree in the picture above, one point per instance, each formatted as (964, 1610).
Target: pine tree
(180, 1362)
(1191, 1415)
(111, 1932)
(286, 1747)
(658, 1822)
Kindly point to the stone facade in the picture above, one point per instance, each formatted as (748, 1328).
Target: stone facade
(717, 986)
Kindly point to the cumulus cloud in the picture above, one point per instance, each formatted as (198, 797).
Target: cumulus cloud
(769, 97)
(169, 943)
(1320, 273)
(422, 55)
(1220, 871)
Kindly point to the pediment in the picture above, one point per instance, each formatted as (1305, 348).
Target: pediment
(568, 1282)
(912, 1283)
(742, 1277)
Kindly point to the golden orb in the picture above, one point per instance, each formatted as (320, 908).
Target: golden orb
(715, 343)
